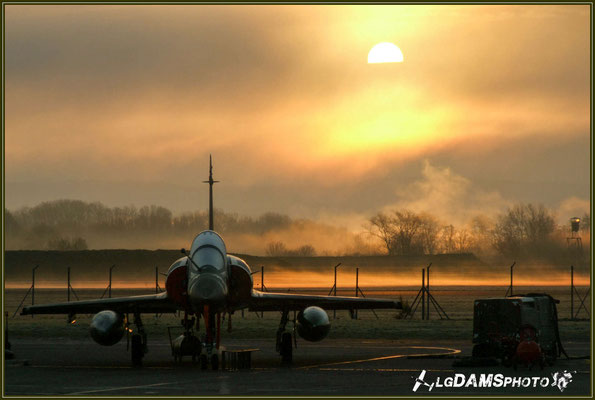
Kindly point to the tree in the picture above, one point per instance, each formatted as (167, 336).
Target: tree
(454, 241)
(79, 244)
(304, 251)
(447, 239)
(405, 232)
(11, 225)
(191, 222)
(65, 244)
(406, 226)
(382, 226)
(524, 229)
(428, 233)
(482, 233)
(276, 249)
(59, 244)
(463, 241)
(271, 221)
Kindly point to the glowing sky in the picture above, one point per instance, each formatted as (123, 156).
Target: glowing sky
(123, 104)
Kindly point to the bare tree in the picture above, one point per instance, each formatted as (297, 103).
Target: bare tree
(382, 226)
(11, 225)
(447, 239)
(463, 241)
(405, 232)
(305, 251)
(481, 235)
(79, 243)
(524, 229)
(455, 241)
(407, 224)
(66, 244)
(276, 249)
(428, 233)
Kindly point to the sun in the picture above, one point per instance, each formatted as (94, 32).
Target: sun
(385, 52)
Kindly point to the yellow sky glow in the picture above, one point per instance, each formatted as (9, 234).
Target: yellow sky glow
(166, 86)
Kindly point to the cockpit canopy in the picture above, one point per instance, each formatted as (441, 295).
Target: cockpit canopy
(208, 253)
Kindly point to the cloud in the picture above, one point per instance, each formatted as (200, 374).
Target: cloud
(449, 196)
(125, 102)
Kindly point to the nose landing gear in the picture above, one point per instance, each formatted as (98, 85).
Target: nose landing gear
(210, 354)
(187, 344)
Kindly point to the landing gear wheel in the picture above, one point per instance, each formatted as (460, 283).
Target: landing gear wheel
(204, 361)
(215, 362)
(136, 350)
(286, 348)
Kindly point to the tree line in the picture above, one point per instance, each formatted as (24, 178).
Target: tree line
(65, 224)
(522, 231)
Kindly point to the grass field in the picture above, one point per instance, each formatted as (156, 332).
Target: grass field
(90, 268)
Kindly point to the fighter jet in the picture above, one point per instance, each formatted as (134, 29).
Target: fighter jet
(207, 283)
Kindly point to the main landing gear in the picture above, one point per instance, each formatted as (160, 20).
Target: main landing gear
(138, 342)
(285, 340)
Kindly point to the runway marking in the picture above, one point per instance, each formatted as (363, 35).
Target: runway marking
(449, 352)
(385, 369)
(98, 367)
(120, 388)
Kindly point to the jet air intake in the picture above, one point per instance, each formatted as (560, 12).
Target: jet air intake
(207, 288)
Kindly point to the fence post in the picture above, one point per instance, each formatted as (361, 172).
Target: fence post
(33, 286)
(109, 291)
(262, 285)
(572, 292)
(335, 291)
(356, 289)
(423, 293)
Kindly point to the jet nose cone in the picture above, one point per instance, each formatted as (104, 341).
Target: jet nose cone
(207, 289)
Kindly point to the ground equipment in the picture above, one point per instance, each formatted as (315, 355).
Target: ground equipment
(521, 329)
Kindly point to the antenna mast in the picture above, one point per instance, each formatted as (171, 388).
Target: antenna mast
(210, 182)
